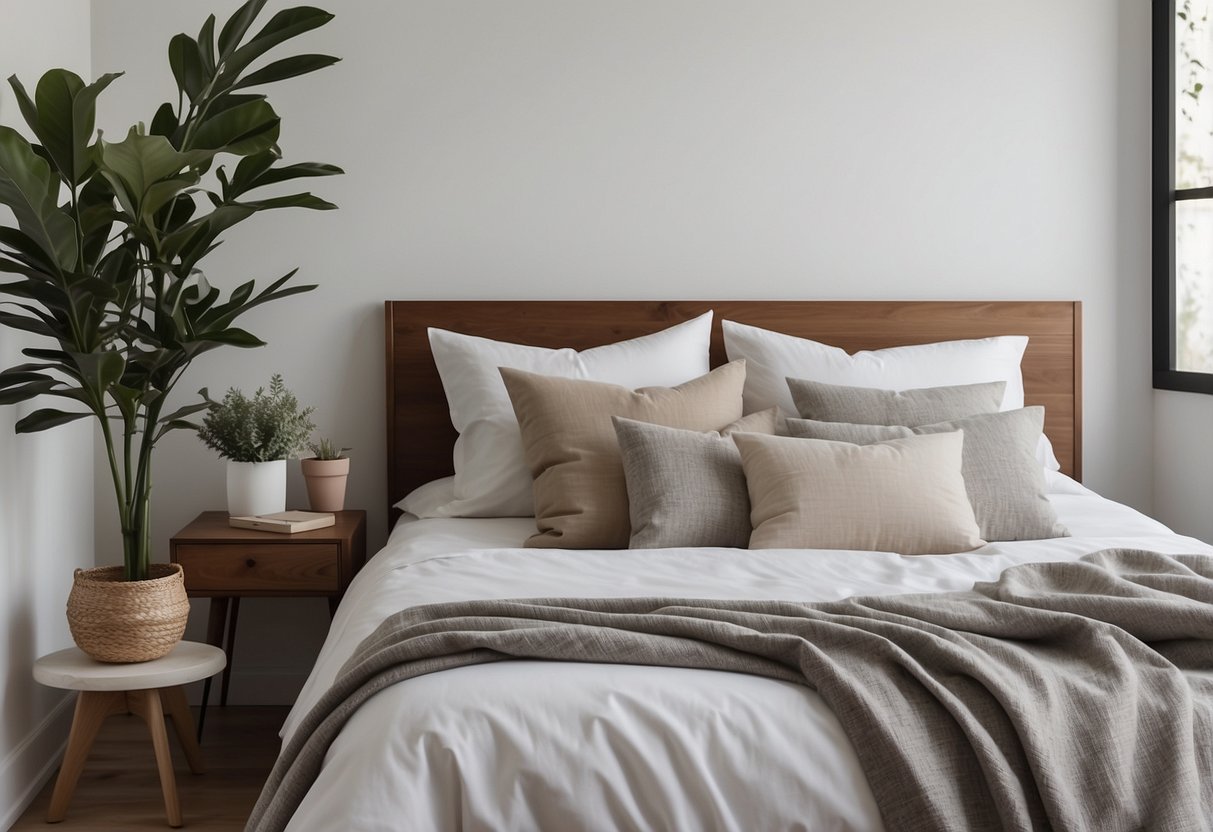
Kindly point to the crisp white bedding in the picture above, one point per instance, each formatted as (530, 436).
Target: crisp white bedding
(530, 745)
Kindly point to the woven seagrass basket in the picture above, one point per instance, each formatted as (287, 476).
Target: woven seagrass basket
(119, 621)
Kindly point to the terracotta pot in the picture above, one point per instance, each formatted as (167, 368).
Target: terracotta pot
(119, 621)
(326, 482)
(256, 487)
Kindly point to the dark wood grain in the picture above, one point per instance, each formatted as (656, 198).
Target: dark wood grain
(216, 558)
(294, 567)
(419, 433)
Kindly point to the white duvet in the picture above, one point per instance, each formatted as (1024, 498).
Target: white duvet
(531, 745)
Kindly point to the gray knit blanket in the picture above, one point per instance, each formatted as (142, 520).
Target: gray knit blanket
(1063, 695)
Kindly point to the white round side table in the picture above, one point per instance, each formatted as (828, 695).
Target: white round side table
(150, 690)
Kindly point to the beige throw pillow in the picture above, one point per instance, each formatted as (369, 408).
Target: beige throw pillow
(1005, 482)
(904, 495)
(568, 439)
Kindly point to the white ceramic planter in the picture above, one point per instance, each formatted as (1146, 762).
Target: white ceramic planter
(256, 487)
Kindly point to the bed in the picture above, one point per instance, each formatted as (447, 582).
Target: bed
(532, 745)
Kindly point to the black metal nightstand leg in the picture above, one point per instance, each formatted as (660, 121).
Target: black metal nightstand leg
(230, 650)
(215, 624)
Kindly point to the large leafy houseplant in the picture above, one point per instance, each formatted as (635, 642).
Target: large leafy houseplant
(103, 258)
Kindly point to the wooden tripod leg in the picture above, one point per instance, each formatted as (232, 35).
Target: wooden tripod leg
(178, 710)
(92, 707)
(153, 712)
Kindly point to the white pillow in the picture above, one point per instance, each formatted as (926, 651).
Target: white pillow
(491, 476)
(427, 499)
(772, 357)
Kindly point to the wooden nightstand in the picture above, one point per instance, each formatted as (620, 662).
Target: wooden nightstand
(227, 564)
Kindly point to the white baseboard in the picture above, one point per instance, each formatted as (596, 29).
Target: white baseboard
(27, 767)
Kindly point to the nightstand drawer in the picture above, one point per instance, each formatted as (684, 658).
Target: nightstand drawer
(293, 567)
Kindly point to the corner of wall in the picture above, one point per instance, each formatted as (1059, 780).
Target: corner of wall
(46, 481)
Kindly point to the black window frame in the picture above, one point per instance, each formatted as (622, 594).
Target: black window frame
(1164, 197)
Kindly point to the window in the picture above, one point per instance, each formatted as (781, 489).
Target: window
(1183, 195)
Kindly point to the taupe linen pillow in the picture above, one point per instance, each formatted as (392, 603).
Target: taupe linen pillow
(1005, 482)
(685, 487)
(568, 440)
(904, 495)
(869, 406)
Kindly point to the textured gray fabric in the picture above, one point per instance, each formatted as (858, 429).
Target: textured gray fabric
(1005, 483)
(869, 406)
(1060, 696)
(685, 487)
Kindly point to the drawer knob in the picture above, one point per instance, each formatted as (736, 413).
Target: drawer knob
(250, 563)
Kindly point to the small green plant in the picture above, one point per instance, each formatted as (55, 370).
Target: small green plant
(325, 450)
(267, 427)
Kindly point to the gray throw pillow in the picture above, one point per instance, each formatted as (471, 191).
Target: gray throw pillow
(685, 487)
(1004, 481)
(869, 406)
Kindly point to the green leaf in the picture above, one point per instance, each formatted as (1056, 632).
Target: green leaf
(99, 370)
(53, 96)
(48, 294)
(191, 240)
(237, 25)
(249, 169)
(164, 123)
(17, 375)
(185, 60)
(187, 410)
(138, 162)
(26, 324)
(286, 68)
(119, 267)
(305, 200)
(224, 314)
(206, 45)
(127, 399)
(28, 187)
(175, 424)
(29, 110)
(246, 128)
(232, 99)
(84, 121)
(283, 26)
(25, 392)
(252, 174)
(233, 337)
(47, 418)
(297, 171)
(15, 267)
(23, 249)
(163, 192)
(180, 212)
(66, 118)
(58, 356)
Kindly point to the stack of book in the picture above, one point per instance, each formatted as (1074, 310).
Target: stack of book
(285, 522)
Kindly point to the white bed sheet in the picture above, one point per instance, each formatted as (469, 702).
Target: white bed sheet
(532, 745)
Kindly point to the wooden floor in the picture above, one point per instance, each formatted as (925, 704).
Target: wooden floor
(119, 788)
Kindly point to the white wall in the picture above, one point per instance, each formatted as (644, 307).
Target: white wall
(46, 492)
(1183, 463)
(633, 149)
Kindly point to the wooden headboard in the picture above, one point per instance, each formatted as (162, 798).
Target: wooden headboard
(420, 438)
